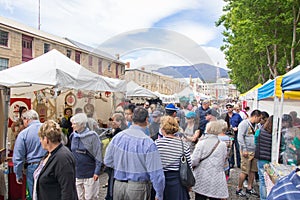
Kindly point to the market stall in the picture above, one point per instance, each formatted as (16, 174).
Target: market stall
(286, 93)
(50, 78)
(55, 74)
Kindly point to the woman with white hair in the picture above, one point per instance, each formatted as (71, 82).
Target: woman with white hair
(208, 162)
(87, 150)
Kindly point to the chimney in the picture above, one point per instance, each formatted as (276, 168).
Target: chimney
(127, 65)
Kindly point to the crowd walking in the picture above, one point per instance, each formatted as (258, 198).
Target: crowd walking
(143, 150)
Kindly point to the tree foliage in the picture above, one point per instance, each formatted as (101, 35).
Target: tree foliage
(261, 38)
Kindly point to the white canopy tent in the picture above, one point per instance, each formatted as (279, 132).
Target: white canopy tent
(55, 70)
(167, 98)
(135, 90)
(52, 70)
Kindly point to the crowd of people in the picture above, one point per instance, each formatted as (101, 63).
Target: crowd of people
(142, 151)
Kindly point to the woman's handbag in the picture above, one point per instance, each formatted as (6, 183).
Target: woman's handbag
(186, 175)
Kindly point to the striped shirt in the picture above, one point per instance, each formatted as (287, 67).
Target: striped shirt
(287, 188)
(170, 150)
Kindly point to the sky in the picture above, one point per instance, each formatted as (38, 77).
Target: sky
(142, 32)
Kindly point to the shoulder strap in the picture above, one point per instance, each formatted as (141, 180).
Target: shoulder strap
(251, 127)
(211, 151)
(182, 147)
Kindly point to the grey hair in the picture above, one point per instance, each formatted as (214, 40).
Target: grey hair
(80, 119)
(31, 115)
(214, 127)
(223, 125)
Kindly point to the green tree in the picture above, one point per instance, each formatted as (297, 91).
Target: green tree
(261, 38)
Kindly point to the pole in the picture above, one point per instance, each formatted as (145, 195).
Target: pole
(39, 18)
(6, 93)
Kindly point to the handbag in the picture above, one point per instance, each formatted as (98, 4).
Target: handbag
(187, 178)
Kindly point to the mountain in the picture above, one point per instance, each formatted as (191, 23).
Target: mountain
(207, 73)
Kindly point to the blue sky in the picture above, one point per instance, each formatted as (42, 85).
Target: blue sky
(168, 32)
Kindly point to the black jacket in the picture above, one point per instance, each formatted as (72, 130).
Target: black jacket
(57, 178)
(264, 145)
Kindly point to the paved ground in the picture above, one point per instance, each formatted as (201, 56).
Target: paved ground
(232, 183)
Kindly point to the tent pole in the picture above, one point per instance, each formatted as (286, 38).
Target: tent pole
(6, 93)
(279, 124)
(274, 155)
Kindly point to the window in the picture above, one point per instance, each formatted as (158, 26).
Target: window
(3, 38)
(109, 67)
(122, 69)
(100, 66)
(90, 60)
(26, 48)
(69, 53)
(46, 47)
(3, 63)
(77, 57)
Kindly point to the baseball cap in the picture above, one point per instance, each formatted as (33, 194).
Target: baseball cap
(229, 105)
(171, 107)
(212, 112)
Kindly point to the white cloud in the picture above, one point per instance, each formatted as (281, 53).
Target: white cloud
(199, 33)
(94, 21)
(155, 57)
(217, 56)
(99, 20)
(164, 58)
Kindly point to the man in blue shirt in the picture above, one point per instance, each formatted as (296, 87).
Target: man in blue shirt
(28, 150)
(136, 161)
(201, 114)
(233, 120)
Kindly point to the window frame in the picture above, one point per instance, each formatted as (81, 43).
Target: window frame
(3, 67)
(69, 53)
(5, 40)
(47, 47)
(77, 56)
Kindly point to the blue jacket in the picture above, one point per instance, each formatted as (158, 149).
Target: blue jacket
(203, 121)
(86, 148)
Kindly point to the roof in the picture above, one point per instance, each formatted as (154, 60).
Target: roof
(94, 50)
(66, 41)
(33, 31)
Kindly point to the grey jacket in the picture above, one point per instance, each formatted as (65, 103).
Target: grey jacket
(246, 136)
(209, 173)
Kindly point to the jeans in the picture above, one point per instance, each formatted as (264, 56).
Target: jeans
(235, 147)
(29, 177)
(262, 184)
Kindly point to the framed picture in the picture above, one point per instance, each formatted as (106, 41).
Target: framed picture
(70, 99)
